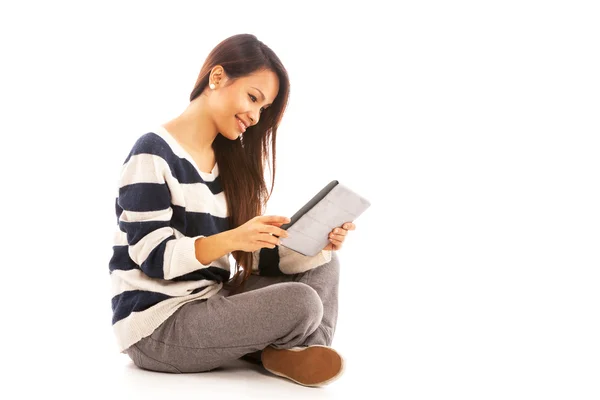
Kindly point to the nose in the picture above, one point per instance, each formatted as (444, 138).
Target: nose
(254, 117)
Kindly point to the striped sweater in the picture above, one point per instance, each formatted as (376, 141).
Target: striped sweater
(164, 203)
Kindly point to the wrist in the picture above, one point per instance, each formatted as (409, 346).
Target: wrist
(229, 240)
(213, 247)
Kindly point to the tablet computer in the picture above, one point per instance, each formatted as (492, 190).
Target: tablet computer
(330, 208)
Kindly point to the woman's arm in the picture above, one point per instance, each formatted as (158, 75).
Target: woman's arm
(145, 214)
(211, 248)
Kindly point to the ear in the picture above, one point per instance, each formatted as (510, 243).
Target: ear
(218, 75)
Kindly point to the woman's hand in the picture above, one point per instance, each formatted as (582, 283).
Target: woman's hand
(258, 233)
(337, 236)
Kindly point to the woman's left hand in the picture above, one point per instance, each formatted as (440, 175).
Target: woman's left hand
(337, 236)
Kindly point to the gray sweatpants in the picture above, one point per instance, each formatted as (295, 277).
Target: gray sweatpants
(284, 311)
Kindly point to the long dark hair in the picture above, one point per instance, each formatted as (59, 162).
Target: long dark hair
(241, 161)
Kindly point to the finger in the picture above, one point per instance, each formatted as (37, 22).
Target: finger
(349, 226)
(337, 243)
(268, 219)
(268, 245)
(339, 231)
(336, 237)
(274, 230)
(268, 238)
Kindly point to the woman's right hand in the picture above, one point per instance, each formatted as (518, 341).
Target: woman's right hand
(258, 233)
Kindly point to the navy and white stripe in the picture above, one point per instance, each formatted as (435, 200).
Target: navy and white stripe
(164, 203)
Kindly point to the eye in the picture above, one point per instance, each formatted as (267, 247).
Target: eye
(254, 101)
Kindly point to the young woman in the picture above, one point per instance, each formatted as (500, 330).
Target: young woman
(191, 193)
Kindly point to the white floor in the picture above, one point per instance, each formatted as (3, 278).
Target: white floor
(399, 343)
(408, 362)
(436, 353)
(99, 373)
(238, 379)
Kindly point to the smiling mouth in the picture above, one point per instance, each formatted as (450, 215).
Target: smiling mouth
(241, 125)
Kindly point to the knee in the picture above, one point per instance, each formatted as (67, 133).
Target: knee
(304, 301)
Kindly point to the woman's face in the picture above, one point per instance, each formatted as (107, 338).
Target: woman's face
(243, 99)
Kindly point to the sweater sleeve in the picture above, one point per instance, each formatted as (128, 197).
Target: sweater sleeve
(144, 216)
(284, 261)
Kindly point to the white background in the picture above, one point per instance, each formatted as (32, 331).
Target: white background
(471, 126)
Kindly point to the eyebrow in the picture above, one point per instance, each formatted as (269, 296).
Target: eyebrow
(262, 94)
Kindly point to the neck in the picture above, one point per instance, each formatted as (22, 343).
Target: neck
(194, 127)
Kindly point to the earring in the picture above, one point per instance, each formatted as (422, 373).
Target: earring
(212, 86)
